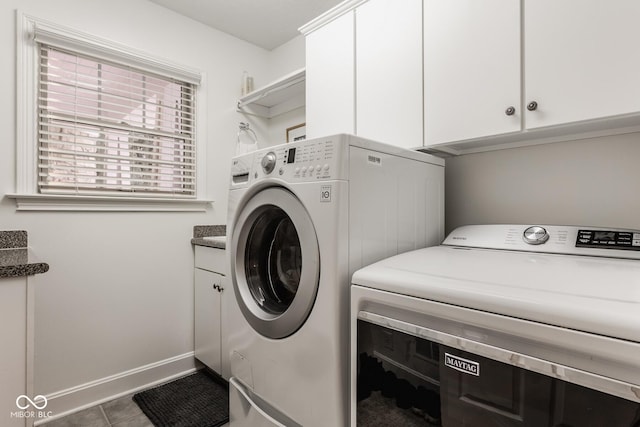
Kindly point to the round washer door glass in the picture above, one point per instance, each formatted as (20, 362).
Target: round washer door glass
(273, 260)
(276, 262)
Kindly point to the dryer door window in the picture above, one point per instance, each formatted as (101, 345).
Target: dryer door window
(410, 380)
(275, 262)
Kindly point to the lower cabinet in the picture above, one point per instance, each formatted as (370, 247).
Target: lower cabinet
(13, 317)
(210, 305)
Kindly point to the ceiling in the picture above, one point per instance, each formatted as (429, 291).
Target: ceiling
(265, 23)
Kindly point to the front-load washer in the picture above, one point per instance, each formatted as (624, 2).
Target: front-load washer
(501, 325)
(302, 217)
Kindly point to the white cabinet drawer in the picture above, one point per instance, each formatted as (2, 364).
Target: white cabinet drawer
(212, 259)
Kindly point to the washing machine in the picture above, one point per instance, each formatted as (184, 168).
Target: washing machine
(303, 217)
(501, 325)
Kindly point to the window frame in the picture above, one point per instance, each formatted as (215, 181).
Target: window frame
(27, 194)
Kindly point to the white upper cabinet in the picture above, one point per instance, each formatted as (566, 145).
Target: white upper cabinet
(462, 76)
(581, 59)
(364, 71)
(389, 72)
(471, 69)
(330, 85)
(498, 76)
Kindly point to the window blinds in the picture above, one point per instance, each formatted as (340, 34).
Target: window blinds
(110, 129)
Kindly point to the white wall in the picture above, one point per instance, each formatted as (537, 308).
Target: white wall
(119, 294)
(587, 182)
(279, 124)
(287, 58)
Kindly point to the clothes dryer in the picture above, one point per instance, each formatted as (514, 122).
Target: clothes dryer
(302, 218)
(501, 325)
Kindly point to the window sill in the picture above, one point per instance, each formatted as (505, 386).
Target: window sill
(47, 202)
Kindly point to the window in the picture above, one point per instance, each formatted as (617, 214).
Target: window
(100, 121)
(110, 129)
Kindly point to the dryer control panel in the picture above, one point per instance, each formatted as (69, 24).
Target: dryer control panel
(557, 239)
(608, 239)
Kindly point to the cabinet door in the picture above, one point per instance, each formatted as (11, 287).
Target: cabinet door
(389, 72)
(471, 69)
(207, 318)
(330, 87)
(226, 299)
(13, 318)
(581, 59)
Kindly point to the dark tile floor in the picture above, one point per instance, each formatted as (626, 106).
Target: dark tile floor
(122, 412)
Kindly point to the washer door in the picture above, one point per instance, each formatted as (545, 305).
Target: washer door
(276, 262)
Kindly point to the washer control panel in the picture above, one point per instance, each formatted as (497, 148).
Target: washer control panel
(310, 160)
(268, 162)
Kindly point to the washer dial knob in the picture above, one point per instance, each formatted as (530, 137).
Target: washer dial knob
(535, 235)
(268, 162)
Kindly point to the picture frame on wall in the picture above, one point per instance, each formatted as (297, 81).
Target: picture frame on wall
(297, 132)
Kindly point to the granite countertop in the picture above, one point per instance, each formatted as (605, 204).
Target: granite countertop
(202, 232)
(16, 259)
(20, 262)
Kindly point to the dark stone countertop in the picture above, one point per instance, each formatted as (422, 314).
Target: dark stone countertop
(202, 231)
(212, 244)
(16, 259)
(17, 262)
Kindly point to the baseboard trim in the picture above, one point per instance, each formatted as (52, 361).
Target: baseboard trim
(64, 402)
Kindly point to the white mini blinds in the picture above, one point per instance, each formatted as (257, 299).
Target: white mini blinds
(112, 129)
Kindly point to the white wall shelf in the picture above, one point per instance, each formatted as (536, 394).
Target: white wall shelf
(278, 97)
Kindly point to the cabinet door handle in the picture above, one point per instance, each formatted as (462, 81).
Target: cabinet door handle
(216, 287)
(220, 288)
(510, 111)
(533, 105)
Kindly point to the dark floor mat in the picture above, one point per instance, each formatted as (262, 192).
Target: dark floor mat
(197, 400)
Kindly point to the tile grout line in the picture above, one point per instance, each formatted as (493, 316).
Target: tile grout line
(104, 414)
